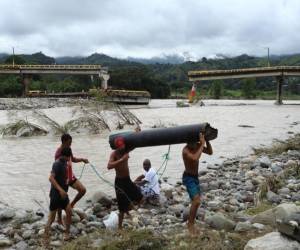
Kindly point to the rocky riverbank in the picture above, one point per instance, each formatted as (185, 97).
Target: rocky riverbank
(39, 103)
(247, 201)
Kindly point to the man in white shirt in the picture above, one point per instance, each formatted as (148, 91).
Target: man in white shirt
(148, 182)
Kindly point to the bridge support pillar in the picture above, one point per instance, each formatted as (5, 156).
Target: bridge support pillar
(104, 78)
(279, 80)
(26, 82)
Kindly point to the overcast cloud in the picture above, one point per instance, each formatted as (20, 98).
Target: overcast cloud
(146, 28)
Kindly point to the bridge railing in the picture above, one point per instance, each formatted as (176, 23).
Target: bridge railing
(52, 66)
(243, 71)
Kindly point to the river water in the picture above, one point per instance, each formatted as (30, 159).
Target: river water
(25, 163)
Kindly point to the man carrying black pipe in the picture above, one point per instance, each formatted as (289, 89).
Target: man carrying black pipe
(127, 192)
(191, 154)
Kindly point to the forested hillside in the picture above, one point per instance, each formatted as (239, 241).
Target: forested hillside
(161, 79)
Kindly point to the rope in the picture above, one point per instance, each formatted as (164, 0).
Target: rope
(163, 166)
(82, 170)
(165, 163)
(111, 184)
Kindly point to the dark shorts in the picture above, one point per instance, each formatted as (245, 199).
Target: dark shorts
(72, 182)
(127, 193)
(56, 202)
(192, 184)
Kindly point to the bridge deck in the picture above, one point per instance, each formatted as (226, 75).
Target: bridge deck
(242, 73)
(51, 69)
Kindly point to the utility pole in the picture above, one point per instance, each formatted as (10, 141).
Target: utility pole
(268, 56)
(13, 56)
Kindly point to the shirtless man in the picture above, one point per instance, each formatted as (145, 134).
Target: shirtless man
(126, 191)
(191, 154)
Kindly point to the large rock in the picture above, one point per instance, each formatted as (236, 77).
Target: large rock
(281, 212)
(273, 198)
(272, 241)
(6, 214)
(177, 209)
(167, 189)
(243, 227)
(220, 222)
(263, 161)
(22, 245)
(294, 153)
(4, 242)
(102, 198)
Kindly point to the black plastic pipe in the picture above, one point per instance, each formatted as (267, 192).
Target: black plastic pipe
(163, 136)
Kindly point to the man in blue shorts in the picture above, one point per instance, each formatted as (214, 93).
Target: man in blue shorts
(191, 154)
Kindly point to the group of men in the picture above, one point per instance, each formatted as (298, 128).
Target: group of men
(128, 193)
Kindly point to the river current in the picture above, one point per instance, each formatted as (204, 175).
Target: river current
(25, 163)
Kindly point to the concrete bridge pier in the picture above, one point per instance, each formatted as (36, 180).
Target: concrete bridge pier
(104, 78)
(279, 80)
(26, 79)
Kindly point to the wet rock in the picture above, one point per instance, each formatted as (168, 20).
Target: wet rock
(284, 191)
(281, 212)
(167, 189)
(290, 163)
(6, 214)
(220, 222)
(177, 209)
(276, 168)
(243, 227)
(97, 243)
(263, 161)
(296, 197)
(56, 243)
(273, 198)
(214, 205)
(22, 245)
(204, 187)
(75, 218)
(202, 172)
(82, 215)
(102, 198)
(213, 167)
(97, 208)
(27, 234)
(294, 153)
(258, 180)
(213, 185)
(249, 186)
(4, 242)
(185, 214)
(293, 186)
(95, 224)
(272, 241)
(74, 230)
(258, 226)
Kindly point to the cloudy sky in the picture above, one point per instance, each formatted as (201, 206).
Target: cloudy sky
(146, 28)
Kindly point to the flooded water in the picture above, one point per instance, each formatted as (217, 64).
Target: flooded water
(25, 163)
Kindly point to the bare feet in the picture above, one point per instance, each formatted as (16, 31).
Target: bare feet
(67, 237)
(193, 230)
(46, 240)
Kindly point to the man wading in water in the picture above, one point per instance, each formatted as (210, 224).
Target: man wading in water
(126, 191)
(191, 154)
(66, 141)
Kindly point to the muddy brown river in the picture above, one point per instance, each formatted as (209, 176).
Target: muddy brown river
(25, 163)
